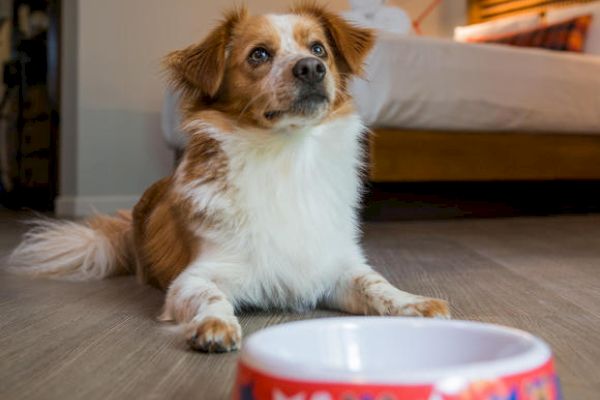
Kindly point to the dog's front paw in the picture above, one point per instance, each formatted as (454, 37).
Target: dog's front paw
(214, 335)
(426, 307)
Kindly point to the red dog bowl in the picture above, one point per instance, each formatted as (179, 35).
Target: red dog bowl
(372, 358)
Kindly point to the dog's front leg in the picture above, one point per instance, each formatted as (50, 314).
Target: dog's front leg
(364, 291)
(207, 315)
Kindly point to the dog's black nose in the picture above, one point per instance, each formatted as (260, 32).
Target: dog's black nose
(310, 70)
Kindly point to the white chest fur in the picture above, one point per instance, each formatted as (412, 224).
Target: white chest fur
(291, 213)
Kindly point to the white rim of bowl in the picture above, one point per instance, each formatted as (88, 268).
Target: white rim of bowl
(270, 364)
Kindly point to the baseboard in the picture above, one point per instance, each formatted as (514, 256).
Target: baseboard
(81, 206)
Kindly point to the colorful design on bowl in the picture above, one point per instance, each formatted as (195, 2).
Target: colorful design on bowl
(539, 384)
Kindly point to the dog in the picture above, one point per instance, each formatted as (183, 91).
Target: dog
(262, 210)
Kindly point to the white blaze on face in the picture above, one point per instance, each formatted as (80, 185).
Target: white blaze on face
(289, 50)
(284, 24)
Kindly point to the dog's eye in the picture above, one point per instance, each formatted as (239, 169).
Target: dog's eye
(318, 50)
(258, 56)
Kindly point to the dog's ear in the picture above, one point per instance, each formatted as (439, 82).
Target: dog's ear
(198, 70)
(351, 43)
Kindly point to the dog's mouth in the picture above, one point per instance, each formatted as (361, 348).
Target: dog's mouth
(273, 115)
(304, 106)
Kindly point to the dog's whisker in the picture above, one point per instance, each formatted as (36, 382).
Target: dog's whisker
(249, 103)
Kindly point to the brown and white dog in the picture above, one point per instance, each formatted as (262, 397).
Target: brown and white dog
(261, 211)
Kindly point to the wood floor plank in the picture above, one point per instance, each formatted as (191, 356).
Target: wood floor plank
(99, 340)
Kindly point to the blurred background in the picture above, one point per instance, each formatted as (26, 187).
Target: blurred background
(478, 109)
(82, 98)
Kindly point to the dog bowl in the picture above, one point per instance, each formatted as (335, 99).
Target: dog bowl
(374, 358)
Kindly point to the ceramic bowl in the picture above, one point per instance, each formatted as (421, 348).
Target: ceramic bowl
(377, 358)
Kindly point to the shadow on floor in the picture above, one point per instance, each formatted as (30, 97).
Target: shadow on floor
(445, 200)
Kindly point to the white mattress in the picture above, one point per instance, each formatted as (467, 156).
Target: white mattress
(425, 83)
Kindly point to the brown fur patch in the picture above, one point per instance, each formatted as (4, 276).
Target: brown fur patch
(163, 242)
(429, 308)
(368, 298)
(204, 161)
(169, 246)
(307, 31)
(243, 96)
(198, 70)
(364, 282)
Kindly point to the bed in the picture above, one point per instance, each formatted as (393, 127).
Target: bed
(446, 111)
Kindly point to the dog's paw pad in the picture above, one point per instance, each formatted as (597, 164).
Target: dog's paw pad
(428, 308)
(215, 335)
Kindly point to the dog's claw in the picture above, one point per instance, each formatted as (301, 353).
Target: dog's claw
(215, 335)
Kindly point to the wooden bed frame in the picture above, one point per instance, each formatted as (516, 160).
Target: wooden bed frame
(487, 10)
(398, 155)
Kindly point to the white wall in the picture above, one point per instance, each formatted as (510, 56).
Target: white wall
(111, 144)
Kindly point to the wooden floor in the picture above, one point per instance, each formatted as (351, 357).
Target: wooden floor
(99, 340)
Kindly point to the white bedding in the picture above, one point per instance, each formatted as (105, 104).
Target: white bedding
(425, 83)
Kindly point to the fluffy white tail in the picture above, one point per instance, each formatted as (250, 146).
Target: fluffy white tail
(94, 249)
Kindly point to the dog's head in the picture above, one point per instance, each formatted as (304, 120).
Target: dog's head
(273, 70)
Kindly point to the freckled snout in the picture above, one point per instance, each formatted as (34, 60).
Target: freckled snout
(309, 70)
